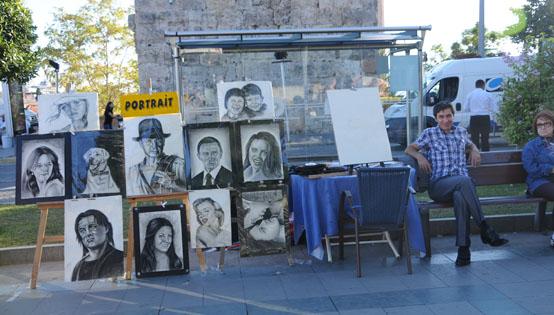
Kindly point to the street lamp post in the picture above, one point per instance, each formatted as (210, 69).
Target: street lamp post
(56, 67)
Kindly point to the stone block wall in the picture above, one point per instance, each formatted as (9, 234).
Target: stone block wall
(154, 17)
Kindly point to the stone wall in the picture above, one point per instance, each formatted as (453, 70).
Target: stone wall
(153, 17)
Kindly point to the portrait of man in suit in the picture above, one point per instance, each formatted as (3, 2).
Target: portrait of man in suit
(213, 175)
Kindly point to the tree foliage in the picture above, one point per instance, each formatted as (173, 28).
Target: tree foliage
(469, 45)
(18, 60)
(529, 91)
(538, 23)
(98, 49)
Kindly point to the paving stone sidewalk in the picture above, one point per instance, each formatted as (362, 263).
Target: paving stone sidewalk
(515, 279)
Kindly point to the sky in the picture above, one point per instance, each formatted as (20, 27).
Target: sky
(448, 18)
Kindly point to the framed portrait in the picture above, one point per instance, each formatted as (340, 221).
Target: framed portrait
(42, 168)
(210, 218)
(161, 245)
(97, 163)
(67, 112)
(154, 155)
(245, 100)
(263, 221)
(262, 156)
(208, 150)
(93, 244)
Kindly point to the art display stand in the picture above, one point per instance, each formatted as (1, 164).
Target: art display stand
(133, 202)
(42, 238)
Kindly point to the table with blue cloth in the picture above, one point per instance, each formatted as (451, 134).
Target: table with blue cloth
(315, 204)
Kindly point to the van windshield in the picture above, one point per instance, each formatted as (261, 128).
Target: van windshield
(444, 90)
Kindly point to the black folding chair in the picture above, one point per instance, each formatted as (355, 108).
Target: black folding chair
(384, 200)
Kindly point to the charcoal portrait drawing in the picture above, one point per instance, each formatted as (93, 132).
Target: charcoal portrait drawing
(97, 227)
(261, 153)
(155, 155)
(211, 218)
(211, 160)
(98, 166)
(68, 112)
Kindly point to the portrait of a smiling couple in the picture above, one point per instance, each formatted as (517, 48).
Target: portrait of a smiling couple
(245, 100)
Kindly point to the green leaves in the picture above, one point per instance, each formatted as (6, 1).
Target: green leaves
(529, 91)
(18, 60)
(97, 48)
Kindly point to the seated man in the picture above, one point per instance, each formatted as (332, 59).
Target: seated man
(445, 146)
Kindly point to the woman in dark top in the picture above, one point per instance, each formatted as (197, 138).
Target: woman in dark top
(108, 115)
(538, 158)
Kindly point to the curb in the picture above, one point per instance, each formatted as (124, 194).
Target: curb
(445, 226)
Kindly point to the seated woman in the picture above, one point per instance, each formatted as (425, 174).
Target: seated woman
(158, 253)
(42, 176)
(538, 158)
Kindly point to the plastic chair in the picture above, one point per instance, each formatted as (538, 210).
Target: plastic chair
(384, 201)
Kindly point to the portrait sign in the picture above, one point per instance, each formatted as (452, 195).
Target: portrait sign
(42, 168)
(93, 243)
(245, 100)
(97, 163)
(262, 218)
(133, 105)
(210, 218)
(209, 156)
(161, 246)
(261, 152)
(67, 112)
(154, 155)
(359, 126)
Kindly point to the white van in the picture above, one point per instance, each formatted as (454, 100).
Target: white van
(453, 80)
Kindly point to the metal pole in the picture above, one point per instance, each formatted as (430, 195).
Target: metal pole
(176, 69)
(482, 28)
(420, 85)
(57, 81)
(285, 102)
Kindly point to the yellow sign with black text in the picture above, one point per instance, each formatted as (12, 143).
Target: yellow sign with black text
(133, 105)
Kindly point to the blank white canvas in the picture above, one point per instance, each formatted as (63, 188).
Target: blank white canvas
(359, 126)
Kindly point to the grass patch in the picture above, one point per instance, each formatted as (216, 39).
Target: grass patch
(19, 224)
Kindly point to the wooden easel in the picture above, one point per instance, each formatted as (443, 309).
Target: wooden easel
(133, 201)
(42, 238)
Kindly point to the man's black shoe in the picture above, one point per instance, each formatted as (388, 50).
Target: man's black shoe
(489, 236)
(464, 256)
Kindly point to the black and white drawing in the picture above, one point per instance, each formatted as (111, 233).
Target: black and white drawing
(93, 244)
(154, 155)
(244, 100)
(160, 240)
(68, 112)
(210, 157)
(261, 152)
(210, 223)
(262, 217)
(42, 168)
(98, 163)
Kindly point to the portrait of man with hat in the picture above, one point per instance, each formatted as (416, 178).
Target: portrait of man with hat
(158, 172)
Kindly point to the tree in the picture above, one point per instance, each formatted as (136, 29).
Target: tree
(436, 56)
(18, 60)
(530, 90)
(98, 49)
(468, 47)
(536, 22)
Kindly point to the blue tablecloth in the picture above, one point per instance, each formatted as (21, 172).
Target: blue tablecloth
(315, 204)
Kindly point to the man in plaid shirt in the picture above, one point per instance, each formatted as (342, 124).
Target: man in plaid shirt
(445, 148)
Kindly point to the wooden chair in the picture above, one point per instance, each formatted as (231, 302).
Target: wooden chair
(384, 200)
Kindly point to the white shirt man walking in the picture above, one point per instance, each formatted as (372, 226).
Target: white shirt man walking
(480, 104)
